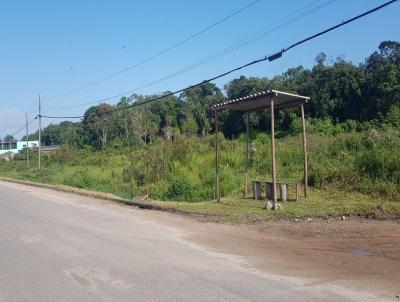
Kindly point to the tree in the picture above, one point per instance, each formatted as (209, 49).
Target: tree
(382, 86)
(198, 101)
(339, 91)
(96, 122)
(9, 139)
(233, 122)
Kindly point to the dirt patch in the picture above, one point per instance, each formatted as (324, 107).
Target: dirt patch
(380, 214)
(356, 253)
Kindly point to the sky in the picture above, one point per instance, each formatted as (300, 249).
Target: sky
(52, 47)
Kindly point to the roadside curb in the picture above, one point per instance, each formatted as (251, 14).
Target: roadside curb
(97, 195)
(149, 205)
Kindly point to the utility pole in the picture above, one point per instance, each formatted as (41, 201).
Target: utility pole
(27, 140)
(40, 129)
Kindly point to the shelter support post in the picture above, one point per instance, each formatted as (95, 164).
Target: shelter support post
(273, 152)
(303, 124)
(217, 156)
(27, 139)
(246, 162)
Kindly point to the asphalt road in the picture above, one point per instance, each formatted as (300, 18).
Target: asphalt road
(64, 247)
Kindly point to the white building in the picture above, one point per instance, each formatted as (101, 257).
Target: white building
(16, 147)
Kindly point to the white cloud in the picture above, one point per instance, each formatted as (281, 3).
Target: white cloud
(11, 120)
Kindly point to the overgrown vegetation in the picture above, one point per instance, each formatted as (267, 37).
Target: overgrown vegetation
(183, 170)
(166, 150)
(344, 97)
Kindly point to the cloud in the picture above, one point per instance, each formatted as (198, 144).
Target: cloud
(11, 120)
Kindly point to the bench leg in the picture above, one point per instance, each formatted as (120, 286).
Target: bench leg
(256, 190)
(270, 191)
(283, 191)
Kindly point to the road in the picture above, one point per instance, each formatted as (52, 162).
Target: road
(58, 246)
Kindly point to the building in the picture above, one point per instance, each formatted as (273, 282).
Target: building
(15, 147)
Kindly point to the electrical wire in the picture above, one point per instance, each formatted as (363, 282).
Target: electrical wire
(22, 128)
(156, 54)
(13, 125)
(223, 52)
(340, 25)
(167, 94)
(236, 46)
(272, 57)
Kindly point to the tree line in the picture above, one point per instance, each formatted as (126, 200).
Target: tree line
(340, 91)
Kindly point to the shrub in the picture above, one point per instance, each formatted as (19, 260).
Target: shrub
(325, 126)
(180, 189)
(393, 116)
(184, 170)
(63, 155)
(79, 179)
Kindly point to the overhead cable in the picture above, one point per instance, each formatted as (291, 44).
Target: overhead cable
(156, 54)
(271, 57)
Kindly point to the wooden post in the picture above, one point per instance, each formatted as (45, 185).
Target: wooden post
(283, 188)
(273, 152)
(217, 156)
(269, 189)
(303, 124)
(257, 189)
(27, 140)
(246, 162)
(40, 134)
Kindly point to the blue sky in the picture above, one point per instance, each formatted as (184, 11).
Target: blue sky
(50, 47)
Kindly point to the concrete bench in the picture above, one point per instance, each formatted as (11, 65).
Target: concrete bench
(282, 187)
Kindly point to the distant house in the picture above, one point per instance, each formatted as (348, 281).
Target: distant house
(15, 147)
(46, 149)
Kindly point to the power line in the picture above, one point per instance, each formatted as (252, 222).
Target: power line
(22, 128)
(340, 25)
(272, 57)
(224, 52)
(237, 45)
(156, 54)
(13, 125)
(66, 117)
(170, 93)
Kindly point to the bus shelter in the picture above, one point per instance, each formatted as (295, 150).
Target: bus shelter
(271, 99)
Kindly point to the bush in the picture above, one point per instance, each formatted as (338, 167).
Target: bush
(380, 164)
(393, 116)
(325, 126)
(180, 189)
(63, 155)
(184, 170)
(79, 179)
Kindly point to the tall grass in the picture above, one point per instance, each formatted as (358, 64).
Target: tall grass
(184, 170)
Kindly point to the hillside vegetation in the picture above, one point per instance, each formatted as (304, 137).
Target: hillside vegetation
(350, 173)
(166, 149)
(367, 162)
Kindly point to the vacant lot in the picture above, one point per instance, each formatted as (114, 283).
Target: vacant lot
(356, 173)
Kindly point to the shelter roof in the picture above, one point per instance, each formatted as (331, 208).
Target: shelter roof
(261, 100)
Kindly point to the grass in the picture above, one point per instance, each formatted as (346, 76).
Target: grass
(324, 204)
(320, 203)
(356, 173)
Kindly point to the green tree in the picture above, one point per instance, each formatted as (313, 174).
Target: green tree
(9, 138)
(96, 122)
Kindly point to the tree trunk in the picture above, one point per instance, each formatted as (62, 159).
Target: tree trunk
(104, 138)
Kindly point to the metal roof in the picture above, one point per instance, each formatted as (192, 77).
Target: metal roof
(261, 100)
